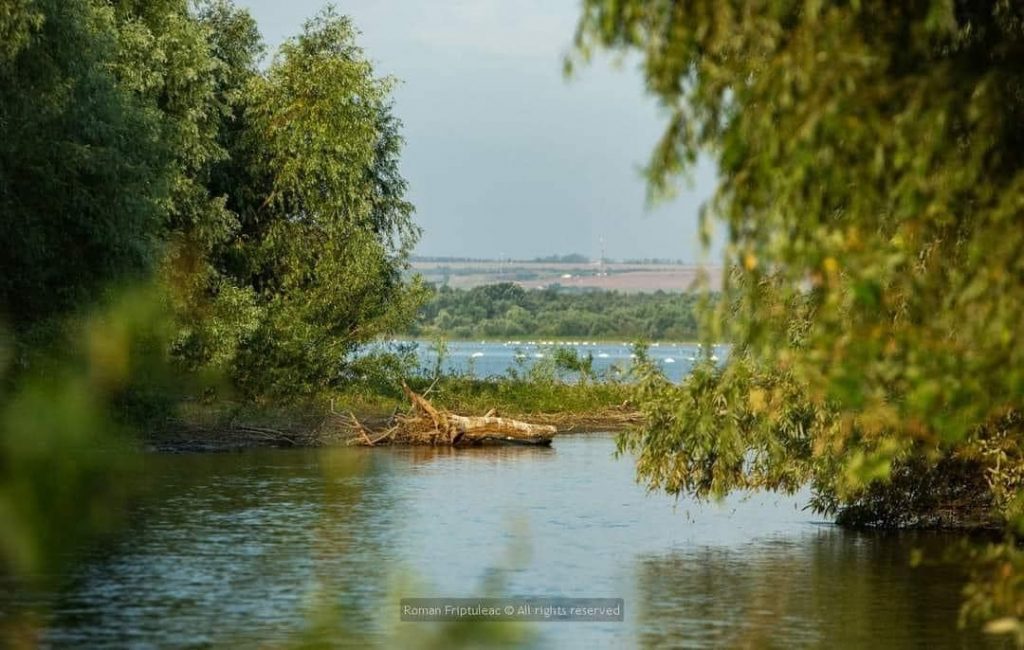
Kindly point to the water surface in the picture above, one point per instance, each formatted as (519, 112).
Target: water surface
(610, 359)
(262, 546)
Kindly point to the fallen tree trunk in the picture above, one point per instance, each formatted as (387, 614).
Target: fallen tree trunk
(489, 426)
(429, 425)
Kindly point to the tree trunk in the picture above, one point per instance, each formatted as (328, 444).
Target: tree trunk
(479, 429)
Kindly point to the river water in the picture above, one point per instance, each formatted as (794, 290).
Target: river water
(268, 547)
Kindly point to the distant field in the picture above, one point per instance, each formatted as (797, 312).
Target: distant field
(613, 276)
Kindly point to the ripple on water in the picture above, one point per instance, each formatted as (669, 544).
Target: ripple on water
(233, 548)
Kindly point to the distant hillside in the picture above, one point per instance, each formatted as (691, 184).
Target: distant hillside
(629, 277)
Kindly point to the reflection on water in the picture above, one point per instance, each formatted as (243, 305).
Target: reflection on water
(264, 546)
(827, 588)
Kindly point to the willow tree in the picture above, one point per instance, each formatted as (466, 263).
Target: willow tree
(324, 244)
(871, 164)
(287, 231)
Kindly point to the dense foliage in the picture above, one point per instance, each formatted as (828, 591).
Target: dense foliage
(324, 229)
(507, 310)
(871, 157)
(83, 168)
(143, 139)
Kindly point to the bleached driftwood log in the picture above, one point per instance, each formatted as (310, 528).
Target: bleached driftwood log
(482, 428)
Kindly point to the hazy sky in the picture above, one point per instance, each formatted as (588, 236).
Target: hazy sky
(503, 155)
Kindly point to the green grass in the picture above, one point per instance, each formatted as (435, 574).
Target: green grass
(524, 396)
(471, 396)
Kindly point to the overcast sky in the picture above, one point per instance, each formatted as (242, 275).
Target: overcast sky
(504, 157)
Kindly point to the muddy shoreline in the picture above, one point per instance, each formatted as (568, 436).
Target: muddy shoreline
(180, 437)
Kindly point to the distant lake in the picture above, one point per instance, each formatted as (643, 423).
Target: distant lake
(489, 358)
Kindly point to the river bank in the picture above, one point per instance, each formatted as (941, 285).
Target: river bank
(331, 420)
(186, 437)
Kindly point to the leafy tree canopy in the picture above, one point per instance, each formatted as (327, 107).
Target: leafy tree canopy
(871, 160)
(143, 138)
(870, 157)
(83, 168)
(331, 233)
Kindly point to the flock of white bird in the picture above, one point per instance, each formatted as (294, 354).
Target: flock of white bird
(581, 344)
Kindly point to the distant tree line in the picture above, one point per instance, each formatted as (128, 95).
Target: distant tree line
(571, 258)
(509, 310)
(448, 259)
